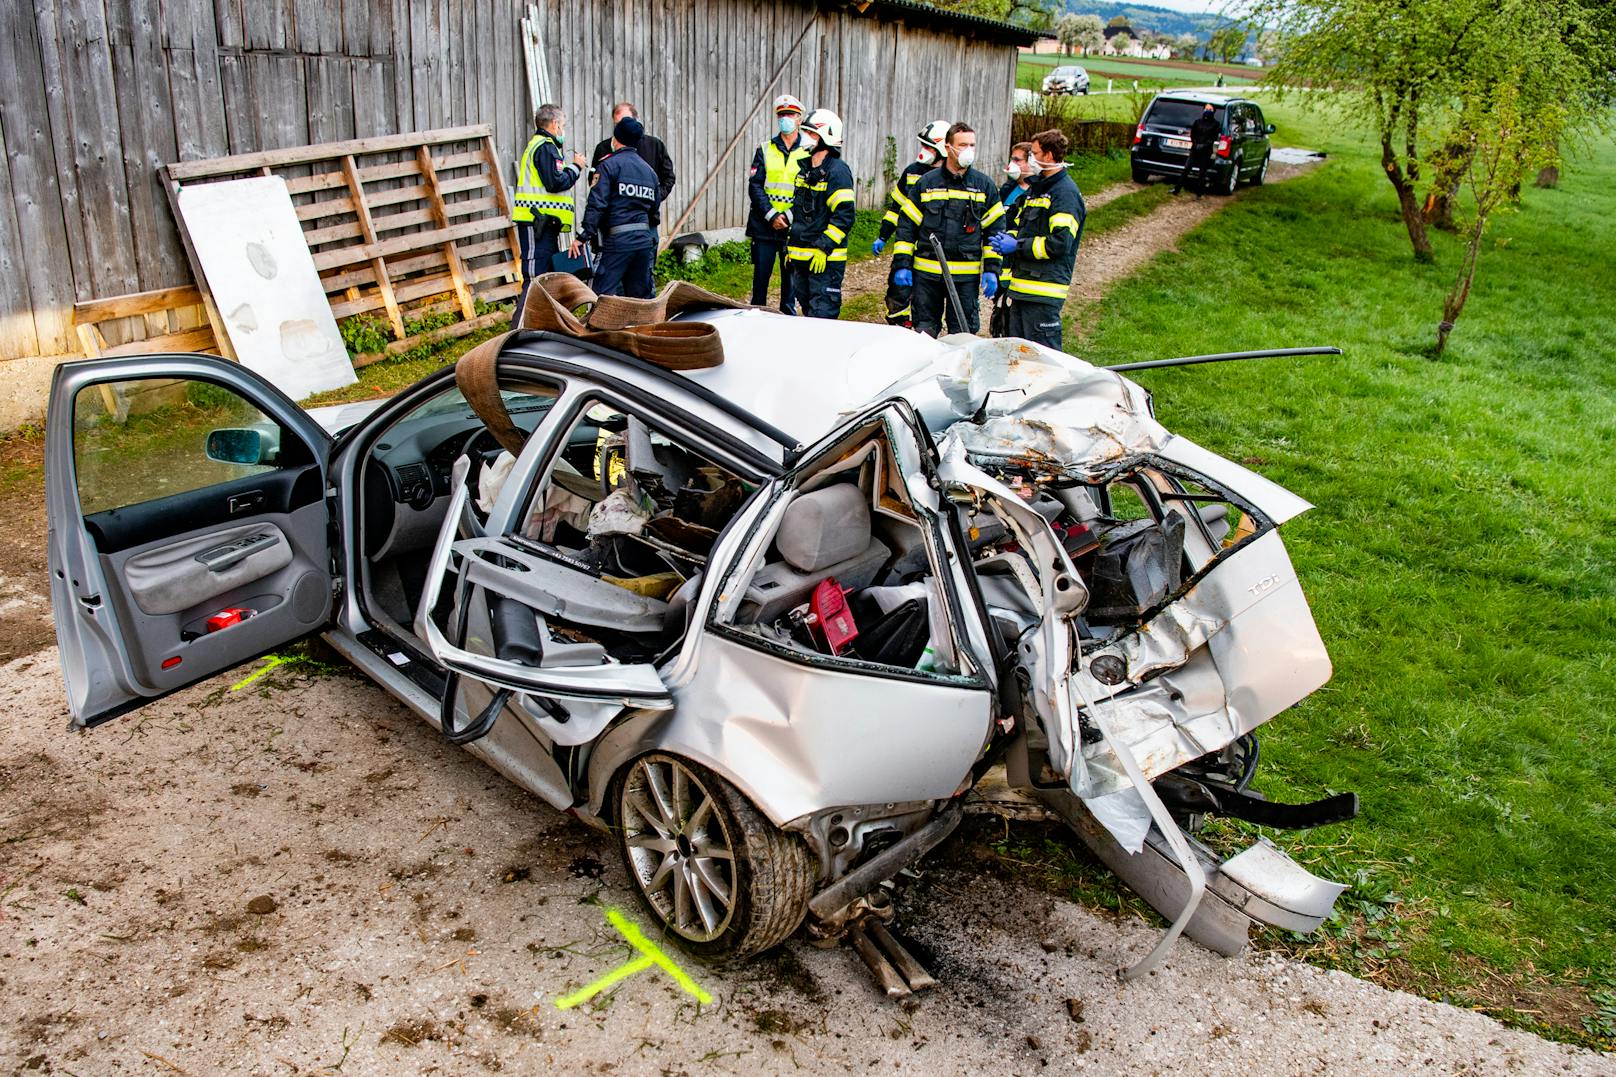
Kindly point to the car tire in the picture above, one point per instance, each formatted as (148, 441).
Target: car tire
(1140, 175)
(1262, 172)
(661, 833)
(1234, 177)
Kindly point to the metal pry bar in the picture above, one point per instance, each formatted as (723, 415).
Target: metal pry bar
(1223, 357)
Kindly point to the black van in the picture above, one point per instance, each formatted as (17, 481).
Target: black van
(1161, 144)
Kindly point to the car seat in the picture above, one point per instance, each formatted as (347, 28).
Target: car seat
(824, 534)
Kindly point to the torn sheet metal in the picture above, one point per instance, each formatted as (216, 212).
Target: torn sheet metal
(1034, 406)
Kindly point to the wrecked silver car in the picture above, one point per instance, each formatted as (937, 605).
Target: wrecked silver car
(767, 620)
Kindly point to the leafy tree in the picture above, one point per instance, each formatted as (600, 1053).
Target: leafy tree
(1228, 42)
(1066, 32)
(1117, 20)
(1033, 14)
(1121, 42)
(1090, 33)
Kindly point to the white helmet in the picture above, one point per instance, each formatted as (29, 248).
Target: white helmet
(827, 125)
(934, 136)
(786, 103)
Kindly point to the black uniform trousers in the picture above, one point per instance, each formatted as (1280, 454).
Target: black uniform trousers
(765, 254)
(1039, 322)
(819, 293)
(930, 304)
(625, 266)
(1200, 162)
(899, 300)
(539, 240)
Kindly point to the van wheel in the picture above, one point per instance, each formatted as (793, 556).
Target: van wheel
(1234, 177)
(722, 880)
(1262, 172)
(1140, 175)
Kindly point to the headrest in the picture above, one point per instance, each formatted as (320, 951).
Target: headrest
(824, 527)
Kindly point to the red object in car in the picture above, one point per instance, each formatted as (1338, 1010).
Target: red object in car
(225, 618)
(1224, 143)
(828, 605)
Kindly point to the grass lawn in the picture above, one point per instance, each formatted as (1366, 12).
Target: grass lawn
(1031, 69)
(1460, 561)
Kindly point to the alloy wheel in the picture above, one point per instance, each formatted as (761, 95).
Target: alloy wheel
(680, 851)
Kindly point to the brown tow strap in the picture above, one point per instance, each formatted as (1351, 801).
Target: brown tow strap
(638, 327)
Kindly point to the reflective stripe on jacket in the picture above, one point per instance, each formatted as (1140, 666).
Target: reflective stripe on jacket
(898, 198)
(532, 195)
(1049, 223)
(823, 211)
(962, 211)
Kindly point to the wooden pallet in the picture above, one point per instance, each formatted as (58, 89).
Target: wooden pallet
(399, 226)
(168, 317)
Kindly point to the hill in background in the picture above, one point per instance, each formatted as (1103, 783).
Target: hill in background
(1147, 17)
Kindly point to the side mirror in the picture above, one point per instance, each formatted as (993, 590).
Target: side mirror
(244, 444)
(1268, 129)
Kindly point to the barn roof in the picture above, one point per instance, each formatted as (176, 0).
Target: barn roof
(956, 22)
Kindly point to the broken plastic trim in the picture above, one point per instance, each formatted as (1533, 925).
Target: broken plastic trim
(628, 685)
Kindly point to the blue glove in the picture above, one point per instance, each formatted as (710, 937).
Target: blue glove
(1004, 243)
(990, 284)
(878, 246)
(903, 278)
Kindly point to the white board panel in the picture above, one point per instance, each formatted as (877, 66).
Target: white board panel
(264, 284)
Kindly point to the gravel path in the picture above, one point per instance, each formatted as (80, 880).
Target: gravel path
(300, 875)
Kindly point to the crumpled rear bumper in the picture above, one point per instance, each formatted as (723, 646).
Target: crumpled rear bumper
(1260, 885)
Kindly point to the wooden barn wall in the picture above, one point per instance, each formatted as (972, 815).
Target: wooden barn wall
(96, 94)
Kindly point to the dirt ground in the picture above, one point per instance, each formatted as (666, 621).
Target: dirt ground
(299, 877)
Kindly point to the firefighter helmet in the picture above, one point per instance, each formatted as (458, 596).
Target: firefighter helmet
(827, 125)
(934, 136)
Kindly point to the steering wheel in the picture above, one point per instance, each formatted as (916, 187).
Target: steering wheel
(486, 454)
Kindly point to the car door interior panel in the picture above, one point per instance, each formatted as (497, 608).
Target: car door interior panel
(183, 575)
(165, 593)
(281, 491)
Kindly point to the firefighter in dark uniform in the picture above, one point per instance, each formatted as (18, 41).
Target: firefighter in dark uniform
(821, 216)
(770, 189)
(541, 207)
(622, 213)
(931, 151)
(1040, 247)
(960, 206)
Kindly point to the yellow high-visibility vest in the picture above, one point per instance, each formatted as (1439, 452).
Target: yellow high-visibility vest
(780, 174)
(531, 196)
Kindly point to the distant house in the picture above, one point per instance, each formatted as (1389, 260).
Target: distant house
(1134, 47)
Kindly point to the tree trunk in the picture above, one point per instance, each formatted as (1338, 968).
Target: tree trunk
(1453, 303)
(1548, 176)
(1444, 193)
(1408, 202)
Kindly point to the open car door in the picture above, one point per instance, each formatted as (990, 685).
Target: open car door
(188, 525)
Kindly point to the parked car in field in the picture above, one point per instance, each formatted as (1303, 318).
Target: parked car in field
(1069, 79)
(1161, 142)
(766, 623)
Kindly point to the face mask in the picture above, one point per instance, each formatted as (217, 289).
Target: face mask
(810, 140)
(1013, 170)
(967, 156)
(560, 140)
(926, 156)
(787, 125)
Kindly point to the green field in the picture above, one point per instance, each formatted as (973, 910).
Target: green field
(1031, 69)
(1460, 561)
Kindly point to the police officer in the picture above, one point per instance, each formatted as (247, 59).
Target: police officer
(770, 189)
(931, 151)
(821, 216)
(541, 208)
(1040, 247)
(960, 206)
(622, 213)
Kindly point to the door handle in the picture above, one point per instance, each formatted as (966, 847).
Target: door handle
(239, 503)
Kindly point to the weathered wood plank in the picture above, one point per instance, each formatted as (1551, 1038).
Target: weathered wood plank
(34, 194)
(356, 191)
(200, 339)
(127, 306)
(251, 162)
(148, 140)
(18, 335)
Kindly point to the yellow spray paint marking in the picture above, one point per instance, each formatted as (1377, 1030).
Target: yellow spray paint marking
(650, 956)
(274, 660)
